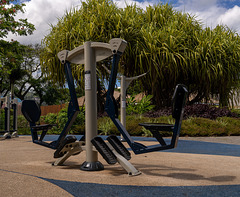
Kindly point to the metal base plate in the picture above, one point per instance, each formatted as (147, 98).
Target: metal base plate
(92, 166)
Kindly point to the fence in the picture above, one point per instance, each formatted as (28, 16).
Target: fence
(45, 109)
(51, 109)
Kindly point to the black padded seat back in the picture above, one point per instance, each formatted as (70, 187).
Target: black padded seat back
(179, 100)
(31, 111)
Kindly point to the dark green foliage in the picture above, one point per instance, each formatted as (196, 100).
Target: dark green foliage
(236, 111)
(11, 52)
(196, 110)
(11, 58)
(207, 111)
(61, 118)
(135, 88)
(106, 126)
(23, 126)
(141, 107)
(51, 118)
(192, 127)
(223, 126)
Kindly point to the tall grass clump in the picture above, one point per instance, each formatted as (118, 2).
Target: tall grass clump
(173, 46)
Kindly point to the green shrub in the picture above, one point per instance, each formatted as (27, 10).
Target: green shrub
(105, 126)
(141, 107)
(222, 126)
(50, 118)
(23, 126)
(192, 127)
(145, 105)
(61, 119)
(236, 111)
(131, 105)
(79, 124)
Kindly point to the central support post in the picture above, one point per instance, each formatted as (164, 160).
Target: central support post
(89, 54)
(91, 163)
(123, 101)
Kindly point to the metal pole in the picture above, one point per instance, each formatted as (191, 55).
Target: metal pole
(8, 112)
(123, 104)
(91, 163)
(14, 106)
(14, 103)
(125, 82)
(123, 100)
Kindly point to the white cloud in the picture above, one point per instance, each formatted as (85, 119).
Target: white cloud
(197, 4)
(43, 13)
(212, 13)
(231, 18)
(123, 3)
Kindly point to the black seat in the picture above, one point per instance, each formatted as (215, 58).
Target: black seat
(32, 112)
(178, 104)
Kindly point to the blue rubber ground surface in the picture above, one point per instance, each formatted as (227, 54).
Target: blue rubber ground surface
(184, 146)
(101, 190)
(78, 189)
(188, 146)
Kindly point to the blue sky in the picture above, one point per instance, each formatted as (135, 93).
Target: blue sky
(221, 3)
(210, 12)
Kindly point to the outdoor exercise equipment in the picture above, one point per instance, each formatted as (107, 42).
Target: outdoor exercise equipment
(179, 99)
(125, 82)
(88, 54)
(9, 130)
(32, 112)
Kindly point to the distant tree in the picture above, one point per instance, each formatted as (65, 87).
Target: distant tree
(8, 23)
(10, 52)
(31, 70)
(54, 95)
(11, 58)
(34, 81)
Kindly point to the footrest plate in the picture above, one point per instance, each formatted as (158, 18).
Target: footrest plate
(104, 150)
(119, 147)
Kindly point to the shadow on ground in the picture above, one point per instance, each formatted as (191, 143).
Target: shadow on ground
(102, 190)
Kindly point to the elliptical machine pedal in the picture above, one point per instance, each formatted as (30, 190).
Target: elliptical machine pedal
(65, 143)
(119, 147)
(104, 150)
(69, 147)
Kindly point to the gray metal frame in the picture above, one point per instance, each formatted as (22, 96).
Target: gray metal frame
(88, 54)
(8, 102)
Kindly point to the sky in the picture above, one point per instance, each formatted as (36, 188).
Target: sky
(42, 13)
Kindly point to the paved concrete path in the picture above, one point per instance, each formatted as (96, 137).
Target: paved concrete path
(197, 167)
